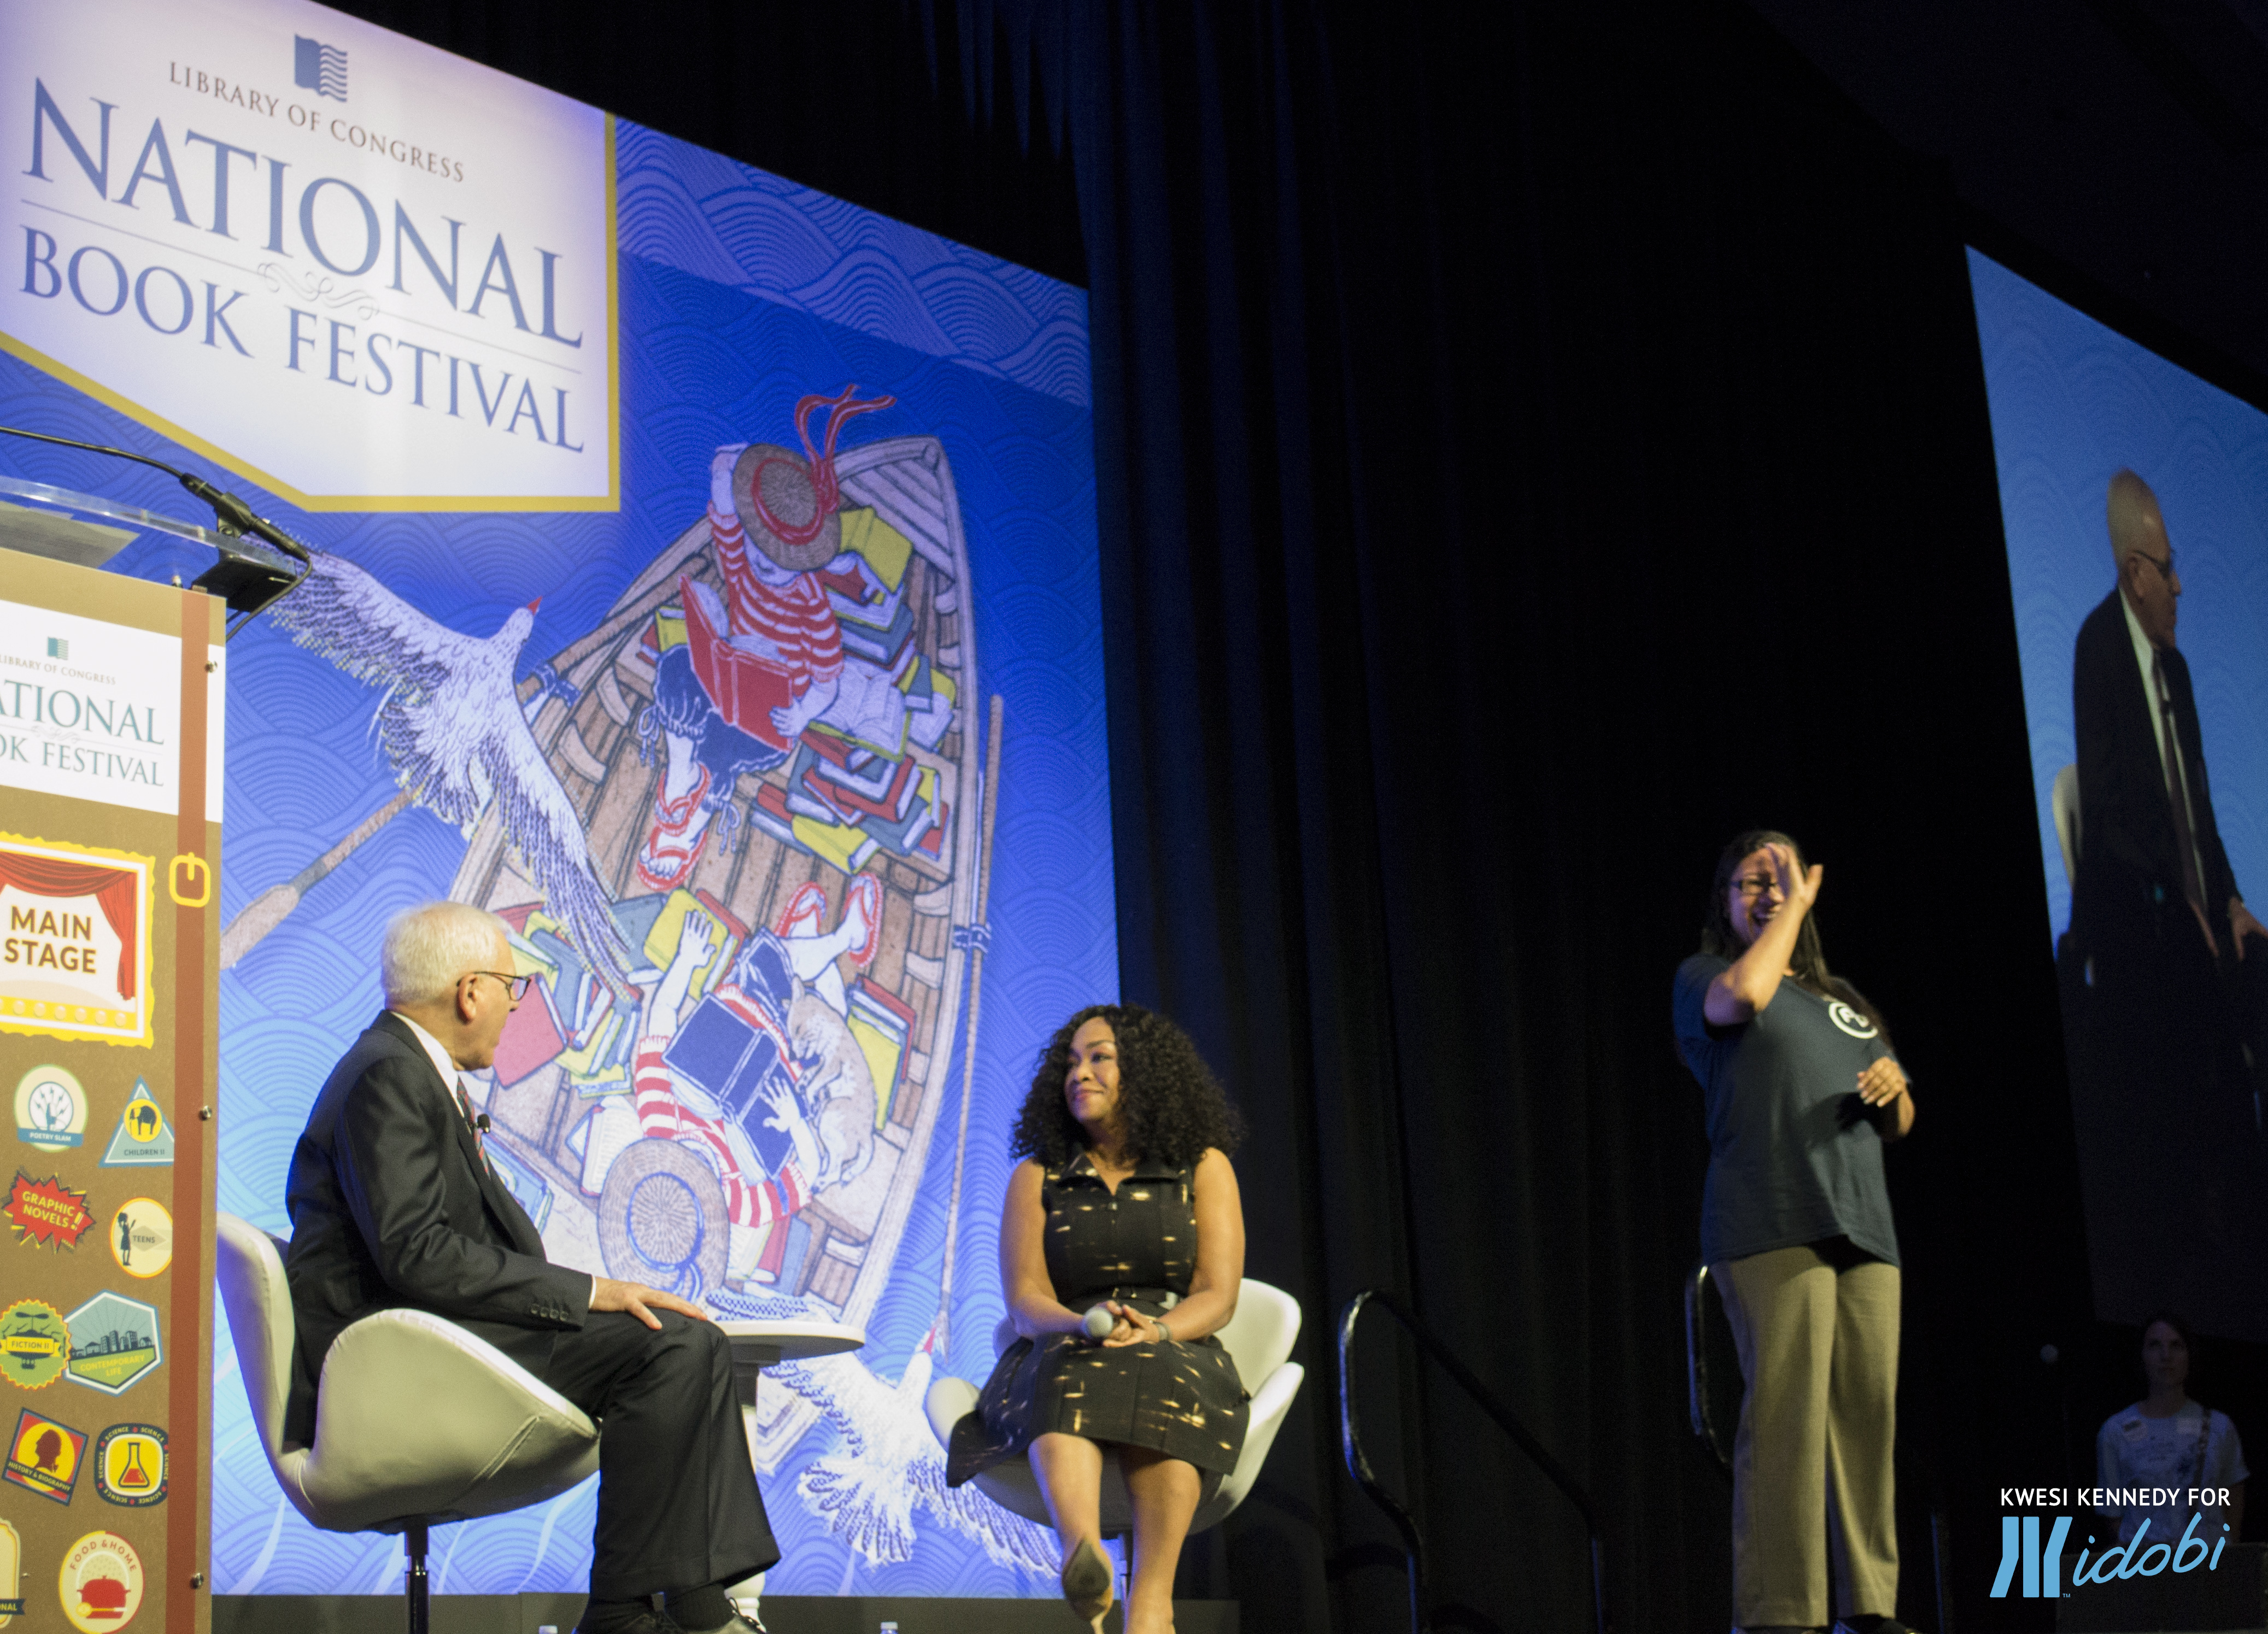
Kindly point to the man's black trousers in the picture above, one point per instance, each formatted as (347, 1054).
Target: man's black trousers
(678, 1504)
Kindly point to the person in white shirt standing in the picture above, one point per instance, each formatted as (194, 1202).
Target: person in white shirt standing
(2168, 1443)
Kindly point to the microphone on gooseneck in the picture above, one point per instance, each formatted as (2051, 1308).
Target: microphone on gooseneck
(1099, 1322)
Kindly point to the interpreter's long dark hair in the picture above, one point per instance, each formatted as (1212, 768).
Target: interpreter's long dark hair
(1808, 959)
(1173, 1106)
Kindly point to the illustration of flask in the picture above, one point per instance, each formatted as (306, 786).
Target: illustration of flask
(134, 1474)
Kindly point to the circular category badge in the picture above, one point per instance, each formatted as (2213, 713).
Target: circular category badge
(142, 1237)
(101, 1583)
(130, 1465)
(34, 1343)
(50, 1110)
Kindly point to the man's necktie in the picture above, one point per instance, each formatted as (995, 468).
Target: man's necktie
(465, 1106)
(2184, 837)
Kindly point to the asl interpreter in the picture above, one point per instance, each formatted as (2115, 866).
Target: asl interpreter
(1802, 1090)
(393, 1203)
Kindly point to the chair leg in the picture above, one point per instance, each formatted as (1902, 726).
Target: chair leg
(419, 1612)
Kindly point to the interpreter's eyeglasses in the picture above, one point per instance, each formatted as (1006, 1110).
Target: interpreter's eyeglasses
(516, 985)
(1757, 884)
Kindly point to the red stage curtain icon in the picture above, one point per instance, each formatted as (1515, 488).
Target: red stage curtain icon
(113, 888)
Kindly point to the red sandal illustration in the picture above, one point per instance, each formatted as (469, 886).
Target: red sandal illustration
(673, 842)
(862, 918)
(805, 911)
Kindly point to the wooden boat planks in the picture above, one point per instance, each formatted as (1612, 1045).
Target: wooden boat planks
(591, 742)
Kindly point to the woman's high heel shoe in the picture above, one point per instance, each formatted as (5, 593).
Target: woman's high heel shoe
(1087, 1579)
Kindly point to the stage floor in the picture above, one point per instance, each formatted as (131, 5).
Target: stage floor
(783, 1613)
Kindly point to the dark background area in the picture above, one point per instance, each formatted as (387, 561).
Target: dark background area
(1537, 442)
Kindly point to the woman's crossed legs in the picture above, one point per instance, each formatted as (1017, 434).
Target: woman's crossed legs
(1165, 1492)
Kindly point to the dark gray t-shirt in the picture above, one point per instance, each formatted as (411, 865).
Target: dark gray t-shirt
(1792, 1156)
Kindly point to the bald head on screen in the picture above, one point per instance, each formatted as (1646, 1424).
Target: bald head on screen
(2143, 556)
(2136, 522)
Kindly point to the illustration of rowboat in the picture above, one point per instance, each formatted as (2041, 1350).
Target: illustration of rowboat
(784, 853)
(727, 1073)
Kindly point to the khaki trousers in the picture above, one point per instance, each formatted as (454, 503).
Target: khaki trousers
(1817, 1328)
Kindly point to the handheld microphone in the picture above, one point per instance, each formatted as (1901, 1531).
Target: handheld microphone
(1099, 1322)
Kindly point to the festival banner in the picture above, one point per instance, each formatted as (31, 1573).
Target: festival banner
(706, 583)
(363, 273)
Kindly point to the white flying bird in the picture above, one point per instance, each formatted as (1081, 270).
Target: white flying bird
(895, 1461)
(453, 727)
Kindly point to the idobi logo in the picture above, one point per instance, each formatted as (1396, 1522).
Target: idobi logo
(2042, 1566)
(2041, 1562)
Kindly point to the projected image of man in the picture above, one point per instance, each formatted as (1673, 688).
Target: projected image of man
(2165, 961)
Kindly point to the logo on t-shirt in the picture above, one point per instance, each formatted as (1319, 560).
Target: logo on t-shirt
(1848, 1019)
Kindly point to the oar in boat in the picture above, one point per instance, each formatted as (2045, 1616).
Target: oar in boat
(273, 905)
(979, 930)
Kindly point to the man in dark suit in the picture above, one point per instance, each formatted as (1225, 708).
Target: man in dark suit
(392, 1203)
(2162, 965)
(2148, 864)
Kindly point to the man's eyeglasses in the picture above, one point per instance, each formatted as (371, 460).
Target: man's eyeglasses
(2165, 568)
(516, 985)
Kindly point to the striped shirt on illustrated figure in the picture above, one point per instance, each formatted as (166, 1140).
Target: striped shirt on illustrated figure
(763, 661)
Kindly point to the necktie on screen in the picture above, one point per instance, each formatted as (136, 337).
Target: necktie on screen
(465, 1106)
(2184, 836)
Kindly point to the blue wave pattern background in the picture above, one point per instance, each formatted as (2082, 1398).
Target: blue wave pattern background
(740, 292)
(2072, 401)
(764, 235)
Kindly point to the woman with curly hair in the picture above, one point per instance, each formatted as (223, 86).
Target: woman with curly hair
(1122, 1248)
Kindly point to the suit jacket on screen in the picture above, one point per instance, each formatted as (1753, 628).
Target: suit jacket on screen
(2130, 871)
(390, 1205)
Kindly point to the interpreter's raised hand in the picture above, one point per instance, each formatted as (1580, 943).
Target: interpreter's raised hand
(1882, 1082)
(1798, 886)
(641, 1301)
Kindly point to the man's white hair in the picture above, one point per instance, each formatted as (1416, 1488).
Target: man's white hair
(2136, 522)
(429, 948)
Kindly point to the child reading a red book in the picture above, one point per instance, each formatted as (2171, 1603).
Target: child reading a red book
(762, 662)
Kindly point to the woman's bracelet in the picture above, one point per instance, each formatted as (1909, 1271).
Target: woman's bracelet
(1164, 1332)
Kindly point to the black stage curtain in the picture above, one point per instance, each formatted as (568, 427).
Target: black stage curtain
(1538, 443)
(1535, 442)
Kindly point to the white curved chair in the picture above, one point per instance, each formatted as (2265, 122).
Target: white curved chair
(417, 1422)
(1259, 1339)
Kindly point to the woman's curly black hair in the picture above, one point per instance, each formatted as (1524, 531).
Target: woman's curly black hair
(1173, 1106)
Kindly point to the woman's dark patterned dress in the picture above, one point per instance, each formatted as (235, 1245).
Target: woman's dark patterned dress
(1183, 1398)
